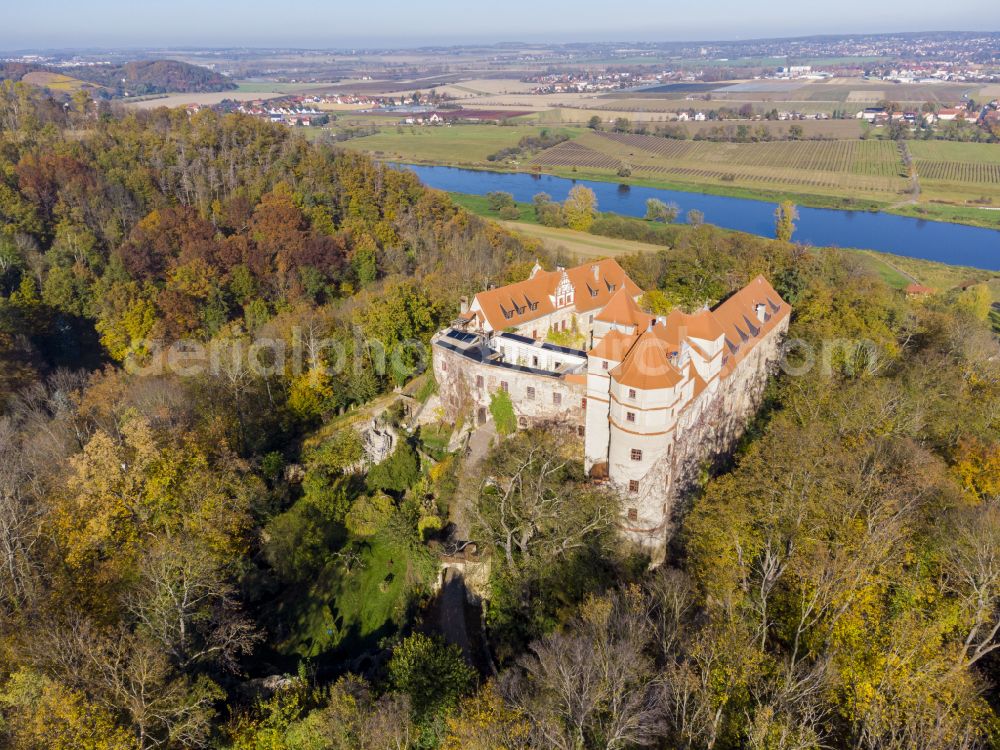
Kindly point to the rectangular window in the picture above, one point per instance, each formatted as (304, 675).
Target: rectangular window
(479, 381)
(631, 392)
(504, 387)
(636, 454)
(583, 402)
(531, 393)
(534, 361)
(630, 416)
(591, 319)
(579, 430)
(444, 366)
(633, 514)
(557, 398)
(604, 365)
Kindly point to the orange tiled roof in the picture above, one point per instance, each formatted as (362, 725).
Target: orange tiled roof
(648, 365)
(699, 382)
(699, 325)
(737, 320)
(614, 346)
(593, 283)
(623, 310)
(592, 291)
(740, 322)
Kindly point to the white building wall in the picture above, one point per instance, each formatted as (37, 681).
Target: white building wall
(466, 387)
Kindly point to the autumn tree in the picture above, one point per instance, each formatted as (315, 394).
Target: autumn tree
(784, 221)
(580, 208)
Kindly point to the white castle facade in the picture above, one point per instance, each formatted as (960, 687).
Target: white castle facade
(651, 397)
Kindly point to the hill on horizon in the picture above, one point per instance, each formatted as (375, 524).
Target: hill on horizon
(136, 78)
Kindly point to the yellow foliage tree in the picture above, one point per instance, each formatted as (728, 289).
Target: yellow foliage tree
(42, 713)
(580, 208)
(484, 722)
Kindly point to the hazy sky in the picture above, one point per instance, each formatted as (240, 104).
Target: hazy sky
(335, 23)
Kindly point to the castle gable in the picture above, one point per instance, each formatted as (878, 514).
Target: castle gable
(585, 287)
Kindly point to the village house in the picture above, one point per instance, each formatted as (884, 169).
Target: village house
(651, 397)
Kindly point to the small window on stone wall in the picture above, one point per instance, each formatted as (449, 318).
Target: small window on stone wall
(557, 399)
(604, 365)
(580, 431)
(522, 421)
(633, 514)
(631, 392)
(636, 454)
(531, 393)
(504, 387)
(630, 416)
(479, 381)
(444, 366)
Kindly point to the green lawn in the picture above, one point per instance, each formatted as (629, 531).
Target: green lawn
(352, 610)
(479, 205)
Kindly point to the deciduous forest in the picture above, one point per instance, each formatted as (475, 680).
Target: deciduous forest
(205, 557)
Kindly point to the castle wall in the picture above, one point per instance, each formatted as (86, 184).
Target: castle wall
(706, 430)
(462, 395)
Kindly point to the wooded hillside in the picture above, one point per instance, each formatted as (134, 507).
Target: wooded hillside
(201, 557)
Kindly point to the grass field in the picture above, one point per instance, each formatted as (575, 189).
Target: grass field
(459, 145)
(573, 245)
(352, 609)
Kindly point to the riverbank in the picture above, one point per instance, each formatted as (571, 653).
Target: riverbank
(896, 270)
(777, 174)
(948, 243)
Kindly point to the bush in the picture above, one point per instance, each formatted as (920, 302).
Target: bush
(502, 410)
(432, 673)
(369, 514)
(398, 472)
(620, 227)
(498, 200)
(510, 213)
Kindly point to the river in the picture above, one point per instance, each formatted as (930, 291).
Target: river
(956, 244)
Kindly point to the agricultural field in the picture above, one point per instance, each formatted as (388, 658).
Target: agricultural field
(57, 81)
(958, 172)
(872, 168)
(457, 145)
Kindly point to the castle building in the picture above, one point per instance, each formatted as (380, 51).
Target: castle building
(651, 397)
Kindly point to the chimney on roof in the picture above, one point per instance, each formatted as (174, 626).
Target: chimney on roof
(535, 269)
(597, 271)
(463, 305)
(760, 307)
